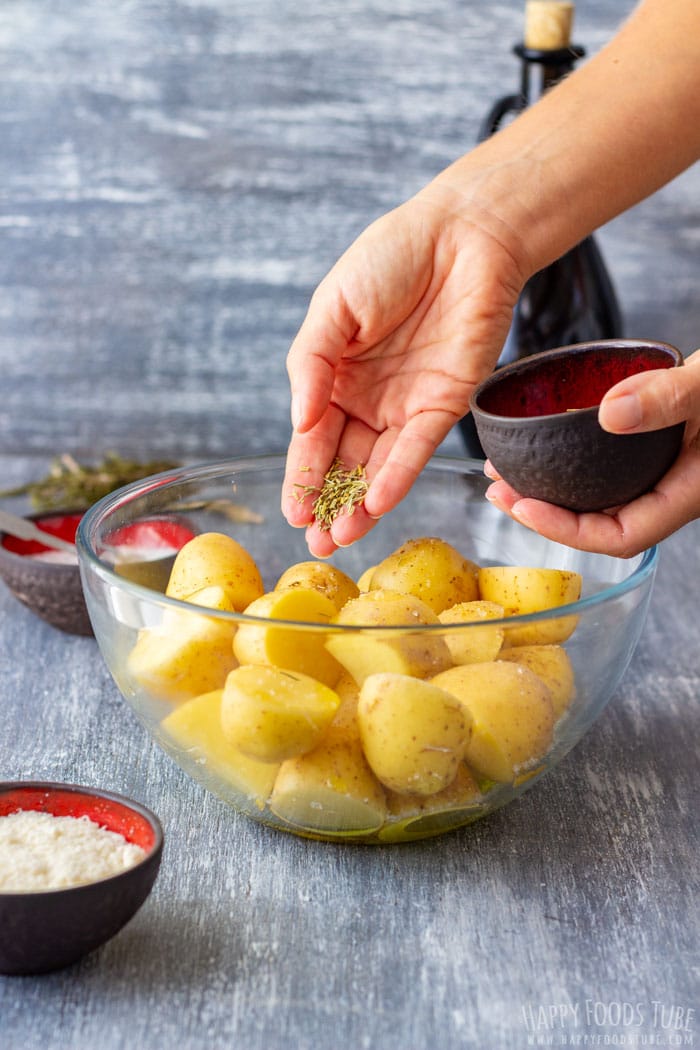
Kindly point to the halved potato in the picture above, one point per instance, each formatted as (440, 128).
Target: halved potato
(411, 653)
(414, 734)
(522, 590)
(271, 714)
(324, 577)
(331, 790)
(430, 569)
(474, 645)
(215, 559)
(188, 653)
(551, 663)
(292, 648)
(511, 716)
(195, 727)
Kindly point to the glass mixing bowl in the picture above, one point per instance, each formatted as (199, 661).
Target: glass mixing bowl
(380, 726)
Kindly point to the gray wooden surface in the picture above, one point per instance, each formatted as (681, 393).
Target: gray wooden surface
(174, 179)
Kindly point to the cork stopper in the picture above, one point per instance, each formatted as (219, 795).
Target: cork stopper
(548, 24)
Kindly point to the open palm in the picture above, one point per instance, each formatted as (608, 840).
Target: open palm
(395, 339)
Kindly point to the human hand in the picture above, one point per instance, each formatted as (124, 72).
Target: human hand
(396, 337)
(647, 401)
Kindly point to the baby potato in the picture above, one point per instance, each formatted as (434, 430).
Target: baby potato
(417, 816)
(362, 654)
(324, 577)
(188, 653)
(430, 569)
(474, 645)
(364, 581)
(214, 559)
(270, 714)
(511, 716)
(293, 649)
(522, 590)
(195, 727)
(414, 734)
(551, 663)
(332, 790)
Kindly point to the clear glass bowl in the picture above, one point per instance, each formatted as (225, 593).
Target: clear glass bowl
(330, 790)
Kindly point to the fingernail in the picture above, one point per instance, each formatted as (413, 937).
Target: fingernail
(520, 515)
(621, 413)
(295, 412)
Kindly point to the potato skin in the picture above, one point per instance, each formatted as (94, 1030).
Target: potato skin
(271, 715)
(413, 733)
(215, 559)
(522, 590)
(511, 716)
(196, 726)
(327, 578)
(331, 789)
(476, 644)
(291, 648)
(189, 653)
(430, 569)
(362, 654)
(551, 663)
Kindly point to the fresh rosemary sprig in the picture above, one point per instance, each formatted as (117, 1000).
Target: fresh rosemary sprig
(70, 485)
(342, 491)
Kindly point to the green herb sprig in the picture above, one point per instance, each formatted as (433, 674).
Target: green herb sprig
(70, 485)
(342, 491)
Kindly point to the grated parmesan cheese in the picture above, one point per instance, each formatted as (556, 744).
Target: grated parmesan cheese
(39, 851)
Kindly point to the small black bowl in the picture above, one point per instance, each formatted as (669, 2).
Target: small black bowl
(47, 930)
(537, 420)
(50, 588)
(49, 582)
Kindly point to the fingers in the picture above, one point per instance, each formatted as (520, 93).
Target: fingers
(309, 456)
(401, 456)
(319, 345)
(674, 502)
(393, 460)
(651, 400)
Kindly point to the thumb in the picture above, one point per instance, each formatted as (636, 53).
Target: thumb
(652, 400)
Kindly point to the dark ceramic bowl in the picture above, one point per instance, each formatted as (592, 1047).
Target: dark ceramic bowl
(537, 421)
(50, 588)
(47, 930)
(49, 584)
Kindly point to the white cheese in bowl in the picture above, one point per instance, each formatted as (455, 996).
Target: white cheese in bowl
(39, 851)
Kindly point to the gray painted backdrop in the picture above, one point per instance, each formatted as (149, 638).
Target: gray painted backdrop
(174, 180)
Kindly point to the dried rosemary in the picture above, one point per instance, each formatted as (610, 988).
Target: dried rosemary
(342, 491)
(70, 485)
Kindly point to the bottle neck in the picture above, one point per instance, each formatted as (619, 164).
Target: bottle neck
(541, 70)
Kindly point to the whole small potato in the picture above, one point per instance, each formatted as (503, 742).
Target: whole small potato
(270, 714)
(214, 559)
(511, 716)
(414, 734)
(474, 645)
(430, 569)
(551, 663)
(327, 578)
(522, 590)
(363, 653)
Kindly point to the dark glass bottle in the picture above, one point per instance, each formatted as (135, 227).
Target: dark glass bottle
(573, 299)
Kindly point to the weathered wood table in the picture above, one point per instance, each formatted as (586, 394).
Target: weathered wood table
(174, 179)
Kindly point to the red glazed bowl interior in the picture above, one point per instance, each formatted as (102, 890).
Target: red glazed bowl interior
(106, 810)
(549, 385)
